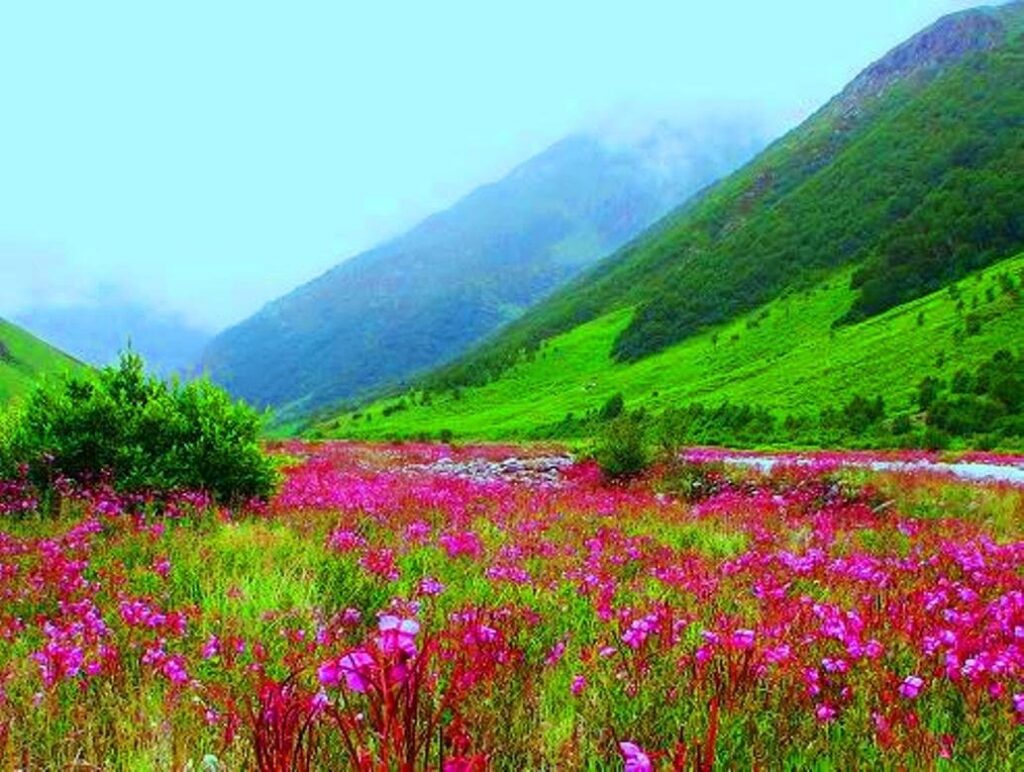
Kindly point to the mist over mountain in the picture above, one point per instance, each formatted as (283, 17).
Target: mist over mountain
(424, 297)
(97, 332)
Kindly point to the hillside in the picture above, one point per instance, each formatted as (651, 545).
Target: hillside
(426, 296)
(24, 359)
(909, 176)
(820, 270)
(783, 356)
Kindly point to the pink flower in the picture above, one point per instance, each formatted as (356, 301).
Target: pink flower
(825, 713)
(430, 586)
(556, 653)
(354, 668)
(873, 649)
(345, 541)
(211, 648)
(636, 760)
(743, 639)
(579, 683)
(911, 687)
(174, 669)
(397, 636)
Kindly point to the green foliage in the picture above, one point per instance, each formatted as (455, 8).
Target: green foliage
(987, 401)
(145, 433)
(10, 420)
(621, 449)
(860, 413)
(613, 408)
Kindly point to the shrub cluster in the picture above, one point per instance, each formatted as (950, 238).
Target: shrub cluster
(145, 433)
(985, 405)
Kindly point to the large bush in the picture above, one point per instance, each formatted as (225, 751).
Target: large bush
(621, 450)
(149, 435)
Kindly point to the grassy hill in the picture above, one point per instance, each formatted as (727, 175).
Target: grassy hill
(908, 178)
(24, 359)
(784, 356)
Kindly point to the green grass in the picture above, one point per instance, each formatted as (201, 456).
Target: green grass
(784, 356)
(27, 359)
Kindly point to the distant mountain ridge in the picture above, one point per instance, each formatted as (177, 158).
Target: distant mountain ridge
(424, 297)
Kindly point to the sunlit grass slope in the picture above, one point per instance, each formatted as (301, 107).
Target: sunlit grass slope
(785, 356)
(24, 359)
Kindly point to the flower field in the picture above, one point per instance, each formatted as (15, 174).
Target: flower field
(423, 607)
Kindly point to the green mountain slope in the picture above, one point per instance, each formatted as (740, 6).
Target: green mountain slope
(784, 356)
(24, 359)
(910, 175)
(426, 296)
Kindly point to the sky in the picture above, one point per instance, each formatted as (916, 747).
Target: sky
(207, 157)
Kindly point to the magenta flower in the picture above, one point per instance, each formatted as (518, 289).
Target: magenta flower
(355, 668)
(825, 713)
(211, 648)
(911, 687)
(636, 760)
(345, 541)
(743, 639)
(430, 586)
(329, 673)
(579, 683)
(397, 636)
(174, 670)
(556, 653)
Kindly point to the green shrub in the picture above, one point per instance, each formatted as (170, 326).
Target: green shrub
(613, 408)
(145, 433)
(902, 425)
(935, 439)
(10, 419)
(621, 449)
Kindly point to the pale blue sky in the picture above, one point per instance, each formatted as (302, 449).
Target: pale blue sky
(209, 156)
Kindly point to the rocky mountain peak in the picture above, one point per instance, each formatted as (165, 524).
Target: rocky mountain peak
(946, 42)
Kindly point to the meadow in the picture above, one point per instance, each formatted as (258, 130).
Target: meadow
(496, 607)
(785, 357)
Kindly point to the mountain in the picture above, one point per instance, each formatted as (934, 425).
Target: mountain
(97, 332)
(903, 184)
(421, 299)
(24, 359)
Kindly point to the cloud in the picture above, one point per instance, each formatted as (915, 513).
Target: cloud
(39, 274)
